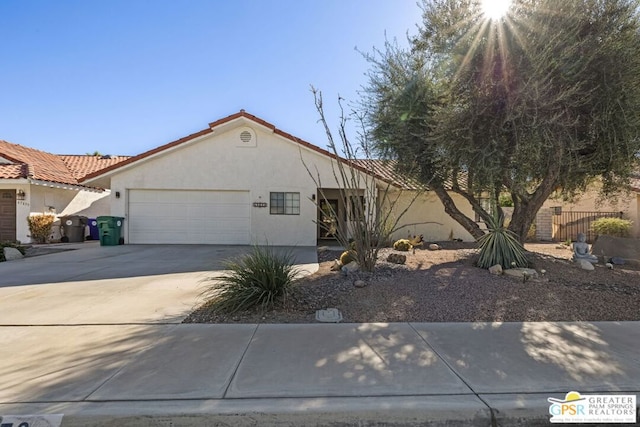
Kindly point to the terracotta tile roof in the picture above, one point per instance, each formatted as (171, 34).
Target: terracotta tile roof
(43, 166)
(387, 170)
(35, 164)
(82, 165)
(12, 171)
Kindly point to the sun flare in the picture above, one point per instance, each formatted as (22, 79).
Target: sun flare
(495, 9)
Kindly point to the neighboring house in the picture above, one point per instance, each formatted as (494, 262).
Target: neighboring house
(244, 181)
(35, 182)
(560, 221)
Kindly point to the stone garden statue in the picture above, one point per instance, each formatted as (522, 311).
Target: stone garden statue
(581, 250)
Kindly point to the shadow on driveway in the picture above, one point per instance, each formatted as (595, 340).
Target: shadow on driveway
(126, 261)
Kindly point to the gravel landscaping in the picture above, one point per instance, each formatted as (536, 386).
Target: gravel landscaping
(444, 286)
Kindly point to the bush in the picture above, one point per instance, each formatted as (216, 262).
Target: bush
(258, 279)
(9, 245)
(402, 245)
(617, 227)
(505, 200)
(40, 227)
(501, 246)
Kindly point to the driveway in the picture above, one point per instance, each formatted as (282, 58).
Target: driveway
(126, 284)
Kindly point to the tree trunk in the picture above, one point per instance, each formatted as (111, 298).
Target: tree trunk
(526, 207)
(452, 210)
(521, 220)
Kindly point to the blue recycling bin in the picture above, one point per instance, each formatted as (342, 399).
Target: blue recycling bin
(94, 231)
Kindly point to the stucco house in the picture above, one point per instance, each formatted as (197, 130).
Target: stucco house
(561, 220)
(243, 181)
(34, 182)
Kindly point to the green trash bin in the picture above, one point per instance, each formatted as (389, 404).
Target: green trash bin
(110, 228)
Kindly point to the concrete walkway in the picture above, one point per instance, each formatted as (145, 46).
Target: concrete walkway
(151, 370)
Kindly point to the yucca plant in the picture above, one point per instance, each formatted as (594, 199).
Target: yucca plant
(500, 246)
(258, 279)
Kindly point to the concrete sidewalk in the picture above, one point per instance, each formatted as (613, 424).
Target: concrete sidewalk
(315, 374)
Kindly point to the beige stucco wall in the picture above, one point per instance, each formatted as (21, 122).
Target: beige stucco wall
(590, 201)
(429, 218)
(220, 161)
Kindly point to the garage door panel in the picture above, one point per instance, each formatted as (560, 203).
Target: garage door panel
(206, 217)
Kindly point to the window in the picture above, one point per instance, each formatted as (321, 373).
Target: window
(285, 204)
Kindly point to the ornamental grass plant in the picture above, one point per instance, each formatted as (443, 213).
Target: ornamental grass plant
(501, 246)
(257, 280)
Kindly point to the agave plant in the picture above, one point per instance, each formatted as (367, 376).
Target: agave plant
(258, 280)
(500, 246)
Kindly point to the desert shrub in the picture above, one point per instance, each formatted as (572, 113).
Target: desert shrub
(40, 227)
(258, 279)
(9, 245)
(402, 245)
(505, 200)
(617, 227)
(500, 246)
(348, 256)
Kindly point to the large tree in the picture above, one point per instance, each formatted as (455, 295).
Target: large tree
(542, 100)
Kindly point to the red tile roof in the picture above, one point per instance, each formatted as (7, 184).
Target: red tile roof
(35, 164)
(82, 165)
(12, 171)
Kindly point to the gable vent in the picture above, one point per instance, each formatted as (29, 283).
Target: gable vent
(245, 136)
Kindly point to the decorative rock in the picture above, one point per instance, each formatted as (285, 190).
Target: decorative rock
(11, 254)
(434, 247)
(616, 260)
(352, 267)
(397, 258)
(330, 315)
(586, 265)
(609, 266)
(496, 269)
(359, 283)
(520, 273)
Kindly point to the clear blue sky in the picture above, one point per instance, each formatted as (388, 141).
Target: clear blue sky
(125, 76)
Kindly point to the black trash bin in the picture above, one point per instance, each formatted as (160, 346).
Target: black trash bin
(110, 230)
(73, 228)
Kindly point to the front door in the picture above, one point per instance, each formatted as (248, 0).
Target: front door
(7, 215)
(328, 219)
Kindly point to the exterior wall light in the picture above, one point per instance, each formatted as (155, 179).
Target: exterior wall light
(20, 195)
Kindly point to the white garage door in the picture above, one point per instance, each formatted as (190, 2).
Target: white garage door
(192, 217)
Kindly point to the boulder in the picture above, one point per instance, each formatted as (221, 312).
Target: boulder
(352, 267)
(397, 258)
(624, 248)
(616, 260)
(359, 283)
(12, 253)
(585, 265)
(496, 269)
